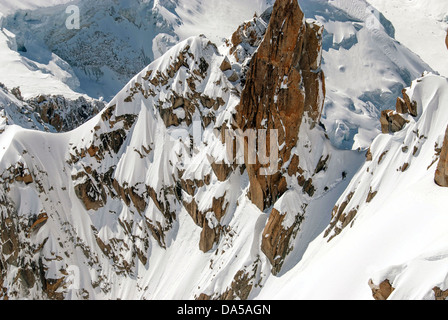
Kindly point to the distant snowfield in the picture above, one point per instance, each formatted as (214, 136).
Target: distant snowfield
(421, 26)
(9, 6)
(216, 19)
(33, 78)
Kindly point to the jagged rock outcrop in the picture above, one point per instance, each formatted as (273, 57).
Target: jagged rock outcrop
(440, 295)
(283, 85)
(394, 121)
(405, 105)
(441, 176)
(341, 217)
(391, 121)
(65, 114)
(381, 291)
(446, 39)
(275, 239)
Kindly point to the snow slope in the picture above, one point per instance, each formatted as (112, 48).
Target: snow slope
(365, 69)
(421, 25)
(400, 235)
(118, 207)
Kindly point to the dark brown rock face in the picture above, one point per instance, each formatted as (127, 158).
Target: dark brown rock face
(340, 216)
(209, 235)
(441, 177)
(284, 88)
(393, 121)
(284, 83)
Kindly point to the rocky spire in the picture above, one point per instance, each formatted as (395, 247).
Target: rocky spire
(284, 84)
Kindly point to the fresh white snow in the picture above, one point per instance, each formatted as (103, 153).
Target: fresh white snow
(400, 235)
(422, 26)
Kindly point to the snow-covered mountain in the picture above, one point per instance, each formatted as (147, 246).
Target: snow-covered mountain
(387, 236)
(333, 191)
(116, 39)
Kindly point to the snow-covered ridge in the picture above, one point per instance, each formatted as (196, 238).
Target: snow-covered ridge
(120, 226)
(138, 33)
(125, 206)
(395, 212)
(46, 113)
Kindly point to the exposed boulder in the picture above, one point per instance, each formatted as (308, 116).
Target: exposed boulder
(381, 291)
(441, 177)
(41, 220)
(20, 173)
(240, 288)
(401, 106)
(225, 65)
(411, 106)
(209, 221)
(341, 217)
(91, 194)
(392, 121)
(404, 105)
(17, 93)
